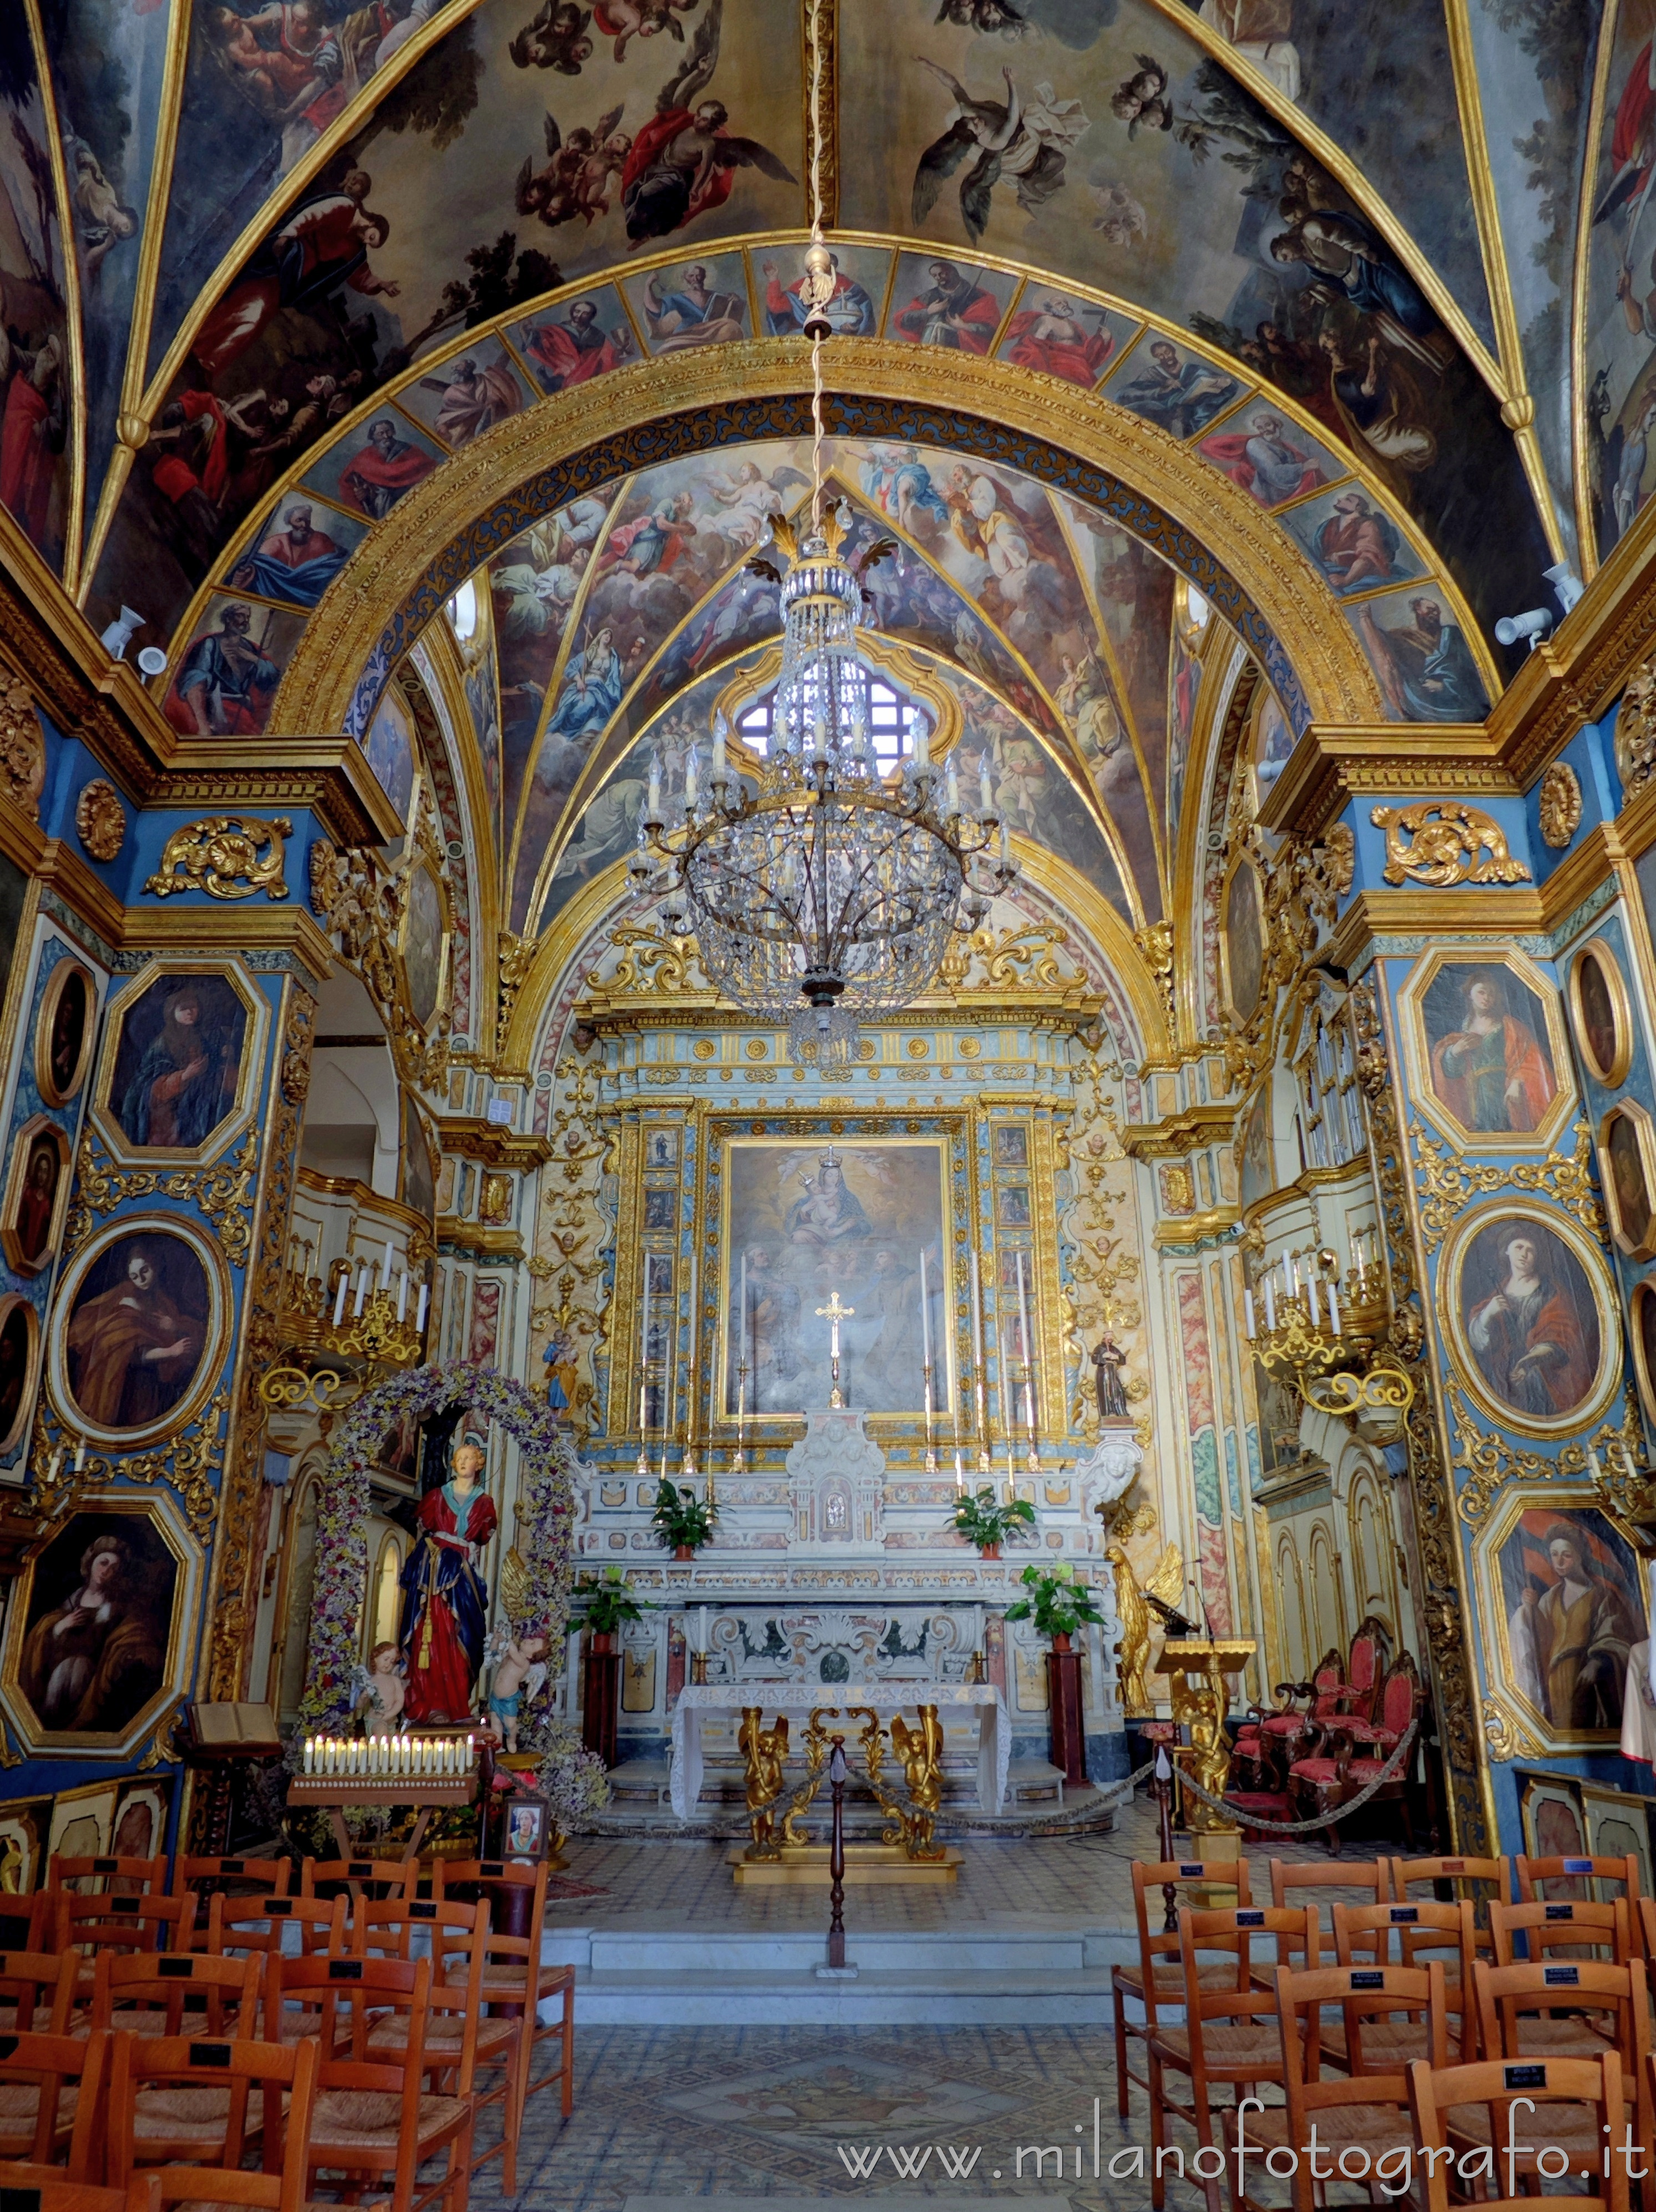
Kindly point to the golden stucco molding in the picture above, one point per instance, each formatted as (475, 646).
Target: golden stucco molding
(317, 688)
(1335, 763)
(1176, 1136)
(495, 1247)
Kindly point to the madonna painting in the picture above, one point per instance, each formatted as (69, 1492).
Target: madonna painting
(178, 1063)
(136, 1330)
(1489, 1051)
(1526, 1322)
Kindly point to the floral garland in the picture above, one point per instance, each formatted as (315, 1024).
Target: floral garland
(572, 1779)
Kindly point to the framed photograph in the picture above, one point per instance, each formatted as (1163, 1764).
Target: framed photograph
(23, 1831)
(1618, 1823)
(1627, 1170)
(64, 1034)
(528, 1828)
(1554, 1826)
(1600, 1014)
(180, 1062)
(82, 1821)
(98, 1635)
(148, 1306)
(36, 1196)
(20, 1366)
(1486, 1041)
(1643, 1333)
(1527, 1304)
(1562, 1606)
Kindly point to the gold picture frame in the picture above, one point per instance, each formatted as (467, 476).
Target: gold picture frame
(1242, 1015)
(144, 1628)
(1513, 1552)
(1627, 1173)
(1641, 1342)
(1525, 1104)
(29, 1236)
(1497, 1350)
(149, 1233)
(426, 966)
(119, 1060)
(61, 1061)
(21, 1345)
(1587, 1019)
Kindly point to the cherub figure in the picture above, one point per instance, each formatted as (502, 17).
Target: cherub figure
(921, 1751)
(766, 1753)
(378, 1693)
(556, 40)
(1143, 98)
(576, 176)
(519, 1670)
(641, 19)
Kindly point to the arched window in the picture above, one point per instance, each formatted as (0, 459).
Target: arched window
(890, 721)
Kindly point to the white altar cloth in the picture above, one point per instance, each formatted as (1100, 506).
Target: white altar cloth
(733, 1699)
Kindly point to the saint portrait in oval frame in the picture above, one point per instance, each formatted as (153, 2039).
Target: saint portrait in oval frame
(1528, 1310)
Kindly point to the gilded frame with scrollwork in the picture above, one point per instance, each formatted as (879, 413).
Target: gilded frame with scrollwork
(1614, 1073)
(1452, 1320)
(1531, 1730)
(1418, 1046)
(255, 1040)
(1642, 1245)
(215, 1336)
(52, 1093)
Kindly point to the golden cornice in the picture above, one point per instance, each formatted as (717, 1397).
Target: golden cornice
(1176, 1136)
(1196, 1228)
(288, 928)
(482, 1243)
(317, 689)
(1475, 911)
(363, 1197)
(471, 1138)
(1336, 762)
(1598, 853)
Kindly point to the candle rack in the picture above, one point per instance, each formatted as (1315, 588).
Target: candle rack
(428, 1773)
(1325, 1338)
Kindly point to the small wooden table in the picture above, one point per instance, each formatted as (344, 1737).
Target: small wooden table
(335, 1791)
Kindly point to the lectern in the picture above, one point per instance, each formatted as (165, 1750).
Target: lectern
(1199, 1670)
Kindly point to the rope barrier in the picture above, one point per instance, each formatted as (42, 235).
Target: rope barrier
(1248, 1820)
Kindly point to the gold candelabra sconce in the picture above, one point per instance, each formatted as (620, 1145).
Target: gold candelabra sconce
(1324, 1337)
(372, 1312)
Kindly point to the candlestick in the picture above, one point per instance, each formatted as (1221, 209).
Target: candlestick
(310, 1755)
(983, 1464)
(339, 1302)
(389, 1264)
(670, 1406)
(688, 1468)
(643, 1466)
(1311, 1298)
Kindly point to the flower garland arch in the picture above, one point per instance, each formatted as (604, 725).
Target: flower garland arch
(572, 1779)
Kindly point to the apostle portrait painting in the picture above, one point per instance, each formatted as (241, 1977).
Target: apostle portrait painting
(1528, 1317)
(136, 1330)
(39, 1165)
(1574, 1613)
(99, 1609)
(1490, 1055)
(178, 1061)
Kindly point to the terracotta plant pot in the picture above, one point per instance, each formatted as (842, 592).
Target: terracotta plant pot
(684, 1551)
(1060, 1641)
(603, 1640)
(989, 1551)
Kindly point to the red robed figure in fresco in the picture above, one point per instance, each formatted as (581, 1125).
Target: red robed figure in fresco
(445, 1604)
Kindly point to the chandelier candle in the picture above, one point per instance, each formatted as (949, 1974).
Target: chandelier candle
(985, 1465)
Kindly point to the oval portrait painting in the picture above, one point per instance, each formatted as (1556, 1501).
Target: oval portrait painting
(137, 1328)
(178, 1064)
(65, 1033)
(1526, 1322)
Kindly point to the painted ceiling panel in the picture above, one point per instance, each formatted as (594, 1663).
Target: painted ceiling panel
(37, 457)
(1619, 332)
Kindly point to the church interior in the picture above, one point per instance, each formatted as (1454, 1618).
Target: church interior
(879, 1395)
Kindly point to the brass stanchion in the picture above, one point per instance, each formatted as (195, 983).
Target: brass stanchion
(1164, 1779)
(836, 1966)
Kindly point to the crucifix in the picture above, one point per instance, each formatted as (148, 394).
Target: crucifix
(833, 1313)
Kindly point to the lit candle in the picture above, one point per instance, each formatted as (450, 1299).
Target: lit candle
(310, 1755)
(985, 790)
(959, 1474)
(701, 1644)
(655, 787)
(1247, 1309)
(362, 1291)
(719, 776)
(385, 1284)
(471, 1753)
(419, 1318)
(402, 1297)
(339, 1302)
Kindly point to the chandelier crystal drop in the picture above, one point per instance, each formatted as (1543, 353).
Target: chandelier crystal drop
(822, 891)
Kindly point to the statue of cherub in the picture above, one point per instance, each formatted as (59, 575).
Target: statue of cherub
(921, 1750)
(766, 1753)
(379, 1692)
(519, 1670)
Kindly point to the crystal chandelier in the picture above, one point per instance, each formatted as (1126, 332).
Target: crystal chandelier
(821, 890)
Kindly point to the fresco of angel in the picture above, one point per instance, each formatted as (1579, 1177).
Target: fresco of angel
(576, 179)
(1025, 143)
(624, 19)
(556, 38)
(684, 161)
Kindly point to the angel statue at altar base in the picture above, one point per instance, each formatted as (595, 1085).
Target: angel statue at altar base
(520, 1672)
(1137, 1627)
(445, 1603)
(379, 1695)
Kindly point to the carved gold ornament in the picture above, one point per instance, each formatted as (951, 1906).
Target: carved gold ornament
(1340, 857)
(494, 1206)
(101, 819)
(1448, 839)
(229, 856)
(1560, 804)
(22, 749)
(1636, 731)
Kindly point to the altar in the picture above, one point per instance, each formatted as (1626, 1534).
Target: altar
(868, 1712)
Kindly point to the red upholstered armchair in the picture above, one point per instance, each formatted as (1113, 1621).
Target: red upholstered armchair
(1371, 1658)
(1333, 1773)
(1268, 1743)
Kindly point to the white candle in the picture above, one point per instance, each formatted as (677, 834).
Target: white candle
(471, 1753)
(339, 1302)
(310, 1755)
(419, 1318)
(702, 1635)
(925, 1327)
(1247, 1309)
(402, 1297)
(643, 1352)
(385, 1284)
(1270, 1303)
(959, 1473)
(1334, 1310)
(1311, 1298)
(362, 1291)
(976, 1318)
(79, 1456)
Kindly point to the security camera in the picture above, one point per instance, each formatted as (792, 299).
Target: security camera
(116, 639)
(1535, 626)
(1565, 581)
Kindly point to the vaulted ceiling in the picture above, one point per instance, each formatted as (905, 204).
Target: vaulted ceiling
(1300, 315)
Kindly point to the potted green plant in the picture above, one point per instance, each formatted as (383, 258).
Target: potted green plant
(1058, 1602)
(685, 1520)
(985, 1522)
(609, 1600)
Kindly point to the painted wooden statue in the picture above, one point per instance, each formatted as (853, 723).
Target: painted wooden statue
(445, 1601)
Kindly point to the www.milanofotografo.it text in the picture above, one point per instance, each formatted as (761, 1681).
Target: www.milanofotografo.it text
(1393, 2171)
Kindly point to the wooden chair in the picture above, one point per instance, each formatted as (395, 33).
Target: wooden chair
(48, 2191)
(1574, 1931)
(150, 1923)
(279, 2074)
(385, 1878)
(1574, 2011)
(1270, 1741)
(151, 1996)
(41, 2112)
(1421, 1936)
(1479, 1882)
(516, 1975)
(1371, 1875)
(1461, 2107)
(1158, 1974)
(1533, 1874)
(37, 1991)
(260, 1924)
(151, 1873)
(1228, 2035)
(370, 2120)
(238, 1879)
(1367, 2107)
